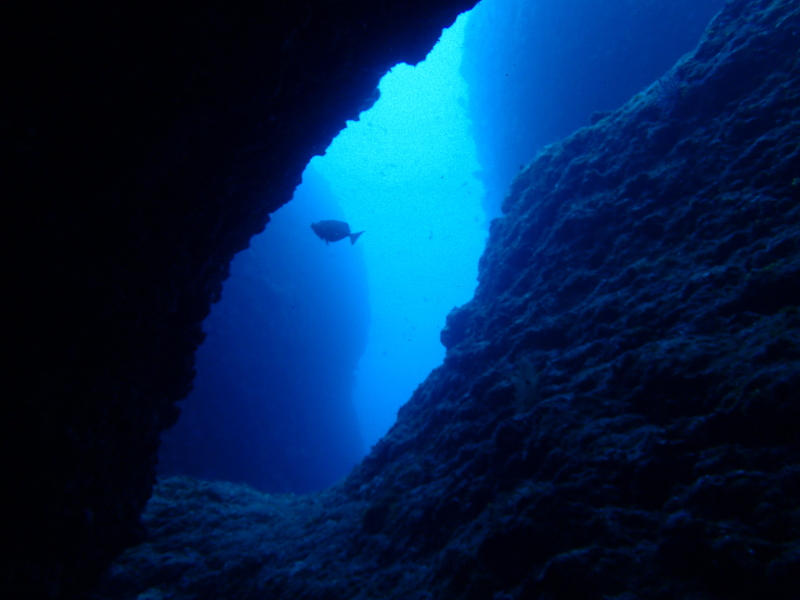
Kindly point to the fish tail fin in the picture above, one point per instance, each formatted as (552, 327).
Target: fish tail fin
(354, 237)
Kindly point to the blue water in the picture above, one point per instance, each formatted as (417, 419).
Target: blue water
(314, 346)
(404, 173)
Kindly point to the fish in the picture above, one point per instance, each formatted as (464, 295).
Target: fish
(333, 231)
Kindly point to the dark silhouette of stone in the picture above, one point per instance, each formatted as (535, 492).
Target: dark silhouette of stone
(143, 144)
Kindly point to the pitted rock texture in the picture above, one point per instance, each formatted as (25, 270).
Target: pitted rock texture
(617, 415)
(143, 144)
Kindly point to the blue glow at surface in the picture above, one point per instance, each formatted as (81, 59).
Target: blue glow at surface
(404, 174)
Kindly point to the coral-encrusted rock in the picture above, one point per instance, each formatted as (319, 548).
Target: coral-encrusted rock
(144, 143)
(617, 414)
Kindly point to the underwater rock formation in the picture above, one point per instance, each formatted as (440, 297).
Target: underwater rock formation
(143, 144)
(617, 415)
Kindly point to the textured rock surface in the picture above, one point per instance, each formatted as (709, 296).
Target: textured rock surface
(617, 415)
(143, 145)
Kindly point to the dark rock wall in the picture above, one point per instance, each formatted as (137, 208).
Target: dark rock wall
(143, 145)
(618, 413)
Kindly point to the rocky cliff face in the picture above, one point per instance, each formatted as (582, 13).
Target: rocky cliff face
(618, 413)
(143, 145)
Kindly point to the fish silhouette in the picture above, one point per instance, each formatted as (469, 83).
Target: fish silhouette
(333, 231)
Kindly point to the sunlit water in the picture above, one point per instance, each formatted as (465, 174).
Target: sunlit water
(404, 173)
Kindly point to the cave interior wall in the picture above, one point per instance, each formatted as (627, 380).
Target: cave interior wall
(143, 145)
